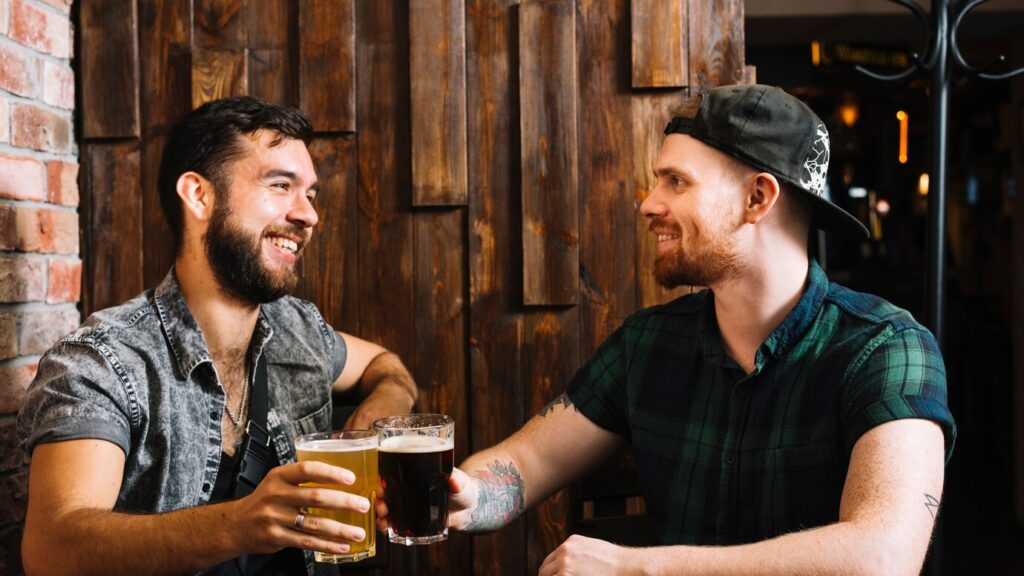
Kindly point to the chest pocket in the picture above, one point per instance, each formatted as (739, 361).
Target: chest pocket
(317, 421)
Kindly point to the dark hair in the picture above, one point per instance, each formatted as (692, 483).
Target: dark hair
(207, 139)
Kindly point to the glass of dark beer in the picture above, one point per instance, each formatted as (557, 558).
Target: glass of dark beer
(415, 457)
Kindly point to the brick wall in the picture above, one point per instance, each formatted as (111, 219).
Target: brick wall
(40, 269)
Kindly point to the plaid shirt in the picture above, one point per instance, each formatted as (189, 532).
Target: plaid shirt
(726, 458)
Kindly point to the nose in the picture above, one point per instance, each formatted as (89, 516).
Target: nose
(652, 206)
(302, 212)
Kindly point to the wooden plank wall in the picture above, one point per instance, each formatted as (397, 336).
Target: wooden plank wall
(481, 163)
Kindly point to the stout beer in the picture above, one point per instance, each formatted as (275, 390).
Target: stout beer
(416, 459)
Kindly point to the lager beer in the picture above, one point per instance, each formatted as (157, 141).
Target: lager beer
(416, 459)
(354, 450)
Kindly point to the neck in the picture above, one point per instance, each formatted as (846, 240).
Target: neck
(750, 305)
(226, 322)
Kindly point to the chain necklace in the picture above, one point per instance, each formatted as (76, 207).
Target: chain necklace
(237, 420)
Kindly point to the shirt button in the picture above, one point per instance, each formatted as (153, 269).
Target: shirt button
(206, 487)
(730, 458)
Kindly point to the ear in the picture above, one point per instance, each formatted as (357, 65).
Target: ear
(763, 192)
(196, 195)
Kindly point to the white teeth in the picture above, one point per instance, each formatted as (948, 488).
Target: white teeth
(284, 244)
(664, 237)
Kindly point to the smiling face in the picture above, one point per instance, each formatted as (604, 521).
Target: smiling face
(694, 209)
(262, 222)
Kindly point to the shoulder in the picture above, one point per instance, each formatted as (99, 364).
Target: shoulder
(870, 310)
(296, 320)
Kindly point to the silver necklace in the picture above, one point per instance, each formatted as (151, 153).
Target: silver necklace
(237, 420)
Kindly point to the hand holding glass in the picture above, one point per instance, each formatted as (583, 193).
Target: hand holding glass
(356, 451)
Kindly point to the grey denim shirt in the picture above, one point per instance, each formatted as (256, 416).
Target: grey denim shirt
(139, 375)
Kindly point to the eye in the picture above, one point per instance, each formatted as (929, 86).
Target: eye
(676, 181)
(281, 185)
(311, 196)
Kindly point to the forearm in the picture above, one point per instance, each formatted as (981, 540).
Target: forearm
(386, 374)
(842, 548)
(104, 542)
(501, 491)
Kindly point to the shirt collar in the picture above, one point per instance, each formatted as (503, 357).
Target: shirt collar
(792, 327)
(182, 331)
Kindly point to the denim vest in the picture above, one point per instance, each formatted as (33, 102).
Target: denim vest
(139, 375)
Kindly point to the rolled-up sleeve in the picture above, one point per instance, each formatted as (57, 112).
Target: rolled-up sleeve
(76, 394)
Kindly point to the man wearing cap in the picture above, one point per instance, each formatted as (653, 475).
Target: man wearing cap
(782, 424)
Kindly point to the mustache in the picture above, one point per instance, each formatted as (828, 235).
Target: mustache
(659, 226)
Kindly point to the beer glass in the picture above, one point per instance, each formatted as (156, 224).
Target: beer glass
(354, 450)
(416, 452)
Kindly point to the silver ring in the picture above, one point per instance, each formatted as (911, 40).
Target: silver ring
(299, 519)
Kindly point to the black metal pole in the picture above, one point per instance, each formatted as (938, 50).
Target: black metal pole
(937, 172)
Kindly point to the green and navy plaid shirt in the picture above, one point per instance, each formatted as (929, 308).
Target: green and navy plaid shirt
(726, 458)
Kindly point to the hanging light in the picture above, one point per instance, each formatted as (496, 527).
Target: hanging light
(922, 184)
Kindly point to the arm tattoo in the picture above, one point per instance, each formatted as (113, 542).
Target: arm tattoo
(502, 497)
(562, 399)
(931, 504)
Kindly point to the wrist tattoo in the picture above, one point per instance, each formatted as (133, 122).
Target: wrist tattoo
(931, 504)
(563, 400)
(502, 496)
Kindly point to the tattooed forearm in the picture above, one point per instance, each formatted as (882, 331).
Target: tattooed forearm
(931, 504)
(502, 497)
(562, 400)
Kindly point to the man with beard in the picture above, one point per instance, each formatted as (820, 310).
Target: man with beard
(135, 422)
(782, 424)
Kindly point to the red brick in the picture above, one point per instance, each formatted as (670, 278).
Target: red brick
(14, 381)
(5, 121)
(8, 337)
(22, 178)
(12, 455)
(22, 279)
(40, 329)
(40, 129)
(62, 182)
(40, 29)
(58, 85)
(19, 72)
(45, 230)
(13, 497)
(65, 281)
(8, 227)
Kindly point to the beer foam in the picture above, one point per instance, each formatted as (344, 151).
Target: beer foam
(416, 444)
(336, 445)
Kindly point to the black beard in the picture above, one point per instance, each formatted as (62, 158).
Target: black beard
(235, 258)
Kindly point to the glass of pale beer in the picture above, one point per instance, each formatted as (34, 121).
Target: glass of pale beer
(416, 453)
(354, 450)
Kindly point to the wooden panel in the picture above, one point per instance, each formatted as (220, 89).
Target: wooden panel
(221, 24)
(551, 353)
(385, 222)
(110, 61)
(329, 264)
(716, 51)
(607, 206)
(114, 260)
(165, 65)
(550, 195)
(437, 54)
(327, 69)
(219, 74)
(659, 43)
(272, 72)
(496, 327)
(440, 368)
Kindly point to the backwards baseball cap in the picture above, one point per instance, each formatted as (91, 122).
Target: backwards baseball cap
(773, 132)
